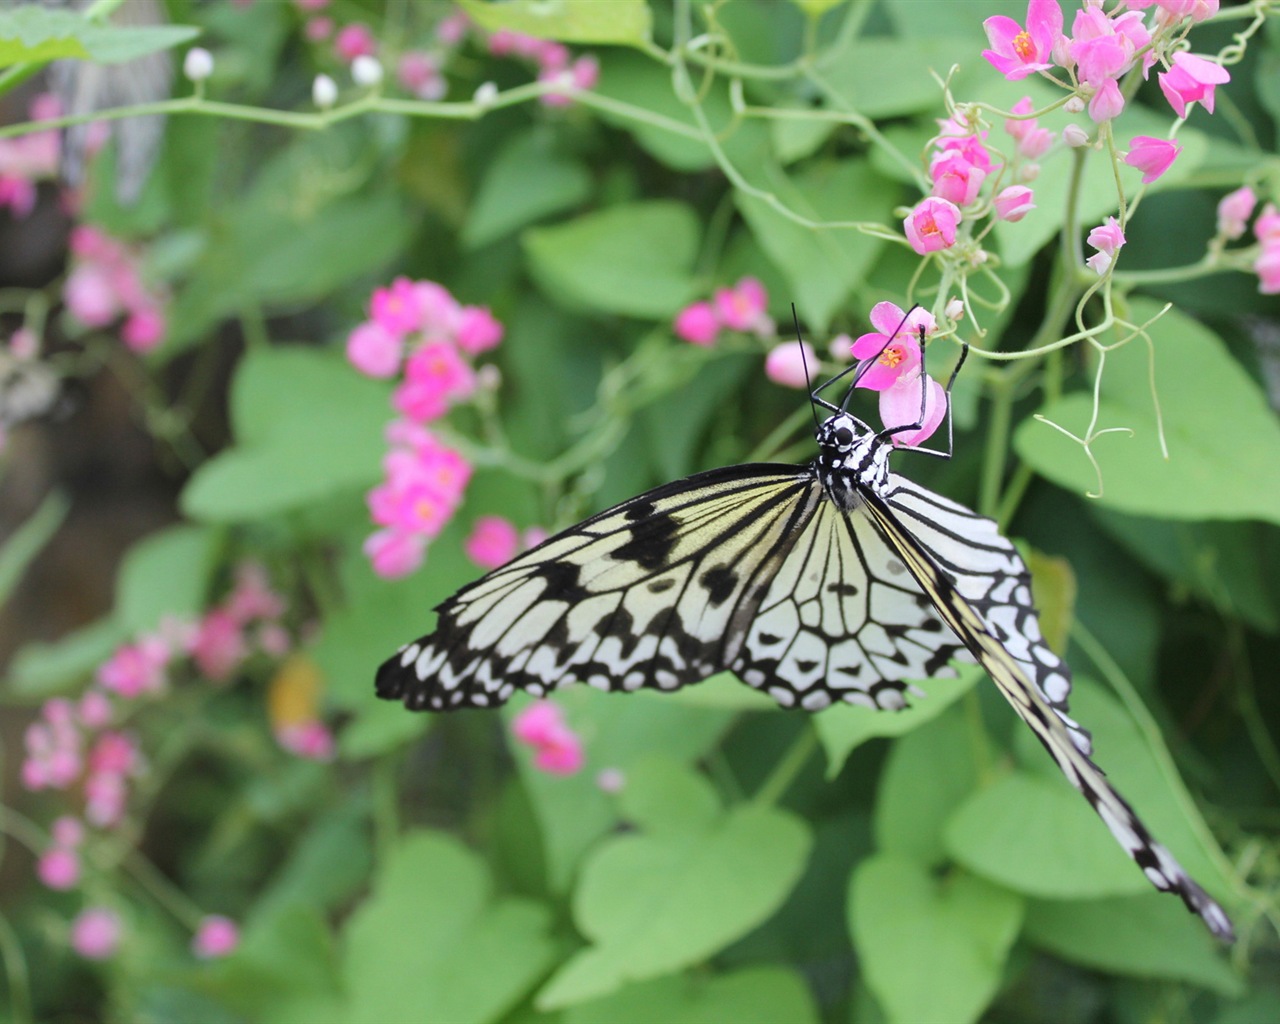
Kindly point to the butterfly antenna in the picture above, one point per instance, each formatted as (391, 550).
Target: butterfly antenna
(808, 381)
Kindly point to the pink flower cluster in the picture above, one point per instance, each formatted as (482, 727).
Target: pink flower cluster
(1103, 47)
(557, 748)
(1234, 211)
(105, 283)
(59, 866)
(891, 364)
(553, 61)
(740, 308)
(28, 159)
(1107, 238)
(96, 933)
(494, 541)
(424, 484)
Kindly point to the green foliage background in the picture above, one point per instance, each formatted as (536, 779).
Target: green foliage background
(756, 866)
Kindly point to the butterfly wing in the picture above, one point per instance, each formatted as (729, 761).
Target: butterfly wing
(1015, 681)
(655, 592)
(843, 620)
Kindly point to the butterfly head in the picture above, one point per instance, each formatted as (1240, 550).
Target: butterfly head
(850, 453)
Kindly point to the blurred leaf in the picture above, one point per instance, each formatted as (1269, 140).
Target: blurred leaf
(40, 669)
(857, 77)
(307, 426)
(25, 543)
(328, 862)
(821, 265)
(167, 573)
(659, 901)
(1233, 566)
(755, 995)
(525, 181)
(622, 22)
(36, 34)
(844, 727)
(1053, 587)
(817, 8)
(433, 944)
(927, 775)
(634, 259)
(1200, 388)
(660, 795)
(1143, 936)
(932, 950)
(1027, 833)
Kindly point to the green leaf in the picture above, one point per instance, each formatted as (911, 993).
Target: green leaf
(307, 427)
(1028, 834)
(755, 995)
(1233, 566)
(927, 774)
(35, 34)
(635, 259)
(623, 733)
(1201, 389)
(817, 8)
(1053, 588)
(931, 950)
(40, 669)
(165, 574)
(821, 265)
(22, 546)
(432, 943)
(526, 181)
(1141, 936)
(623, 22)
(844, 727)
(662, 900)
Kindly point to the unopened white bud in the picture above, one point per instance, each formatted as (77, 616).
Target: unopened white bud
(366, 71)
(486, 94)
(197, 65)
(324, 92)
(1075, 136)
(955, 309)
(1074, 105)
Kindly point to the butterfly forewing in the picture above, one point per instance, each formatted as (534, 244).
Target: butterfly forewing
(1047, 722)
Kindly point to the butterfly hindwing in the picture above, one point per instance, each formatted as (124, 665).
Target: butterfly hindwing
(657, 592)
(1014, 681)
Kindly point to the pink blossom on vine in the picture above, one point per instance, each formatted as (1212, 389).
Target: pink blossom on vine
(1234, 211)
(931, 226)
(96, 933)
(1192, 79)
(494, 541)
(1017, 52)
(786, 364)
(1151, 156)
(216, 936)
(698, 324)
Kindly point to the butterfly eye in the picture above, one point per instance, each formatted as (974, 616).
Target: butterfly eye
(844, 436)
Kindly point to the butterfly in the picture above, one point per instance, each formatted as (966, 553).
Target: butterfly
(833, 582)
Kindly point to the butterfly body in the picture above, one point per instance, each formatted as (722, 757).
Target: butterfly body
(835, 582)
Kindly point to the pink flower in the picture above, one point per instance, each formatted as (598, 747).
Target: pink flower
(894, 345)
(114, 753)
(252, 597)
(17, 193)
(1151, 156)
(1107, 102)
(216, 937)
(24, 343)
(493, 542)
(397, 309)
(1196, 10)
(144, 329)
(558, 750)
(1191, 79)
(90, 295)
(395, 553)
(584, 75)
(932, 224)
(136, 669)
(440, 310)
(562, 755)
(477, 330)
(452, 29)
(95, 933)
(536, 724)
(955, 179)
(1107, 238)
(900, 405)
(1017, 52)
(1234, 211)
(311, 740)
(1267, 267)
(698, 323)
(105, 796)
(971, 148)
(374, 350)
(785, 364)
(1014, 203)
(611, 780)
(419, 72)
(435, 374)
(67, 832)
(59, 868)
(1267, 227)
(219, 645)
(354, 40)
(318, 29)
(742, 307)
(95, 710)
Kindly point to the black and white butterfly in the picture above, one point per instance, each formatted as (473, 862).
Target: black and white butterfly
(833, 582)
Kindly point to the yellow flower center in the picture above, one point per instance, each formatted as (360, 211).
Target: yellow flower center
(1024, 46)
(892, 356)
